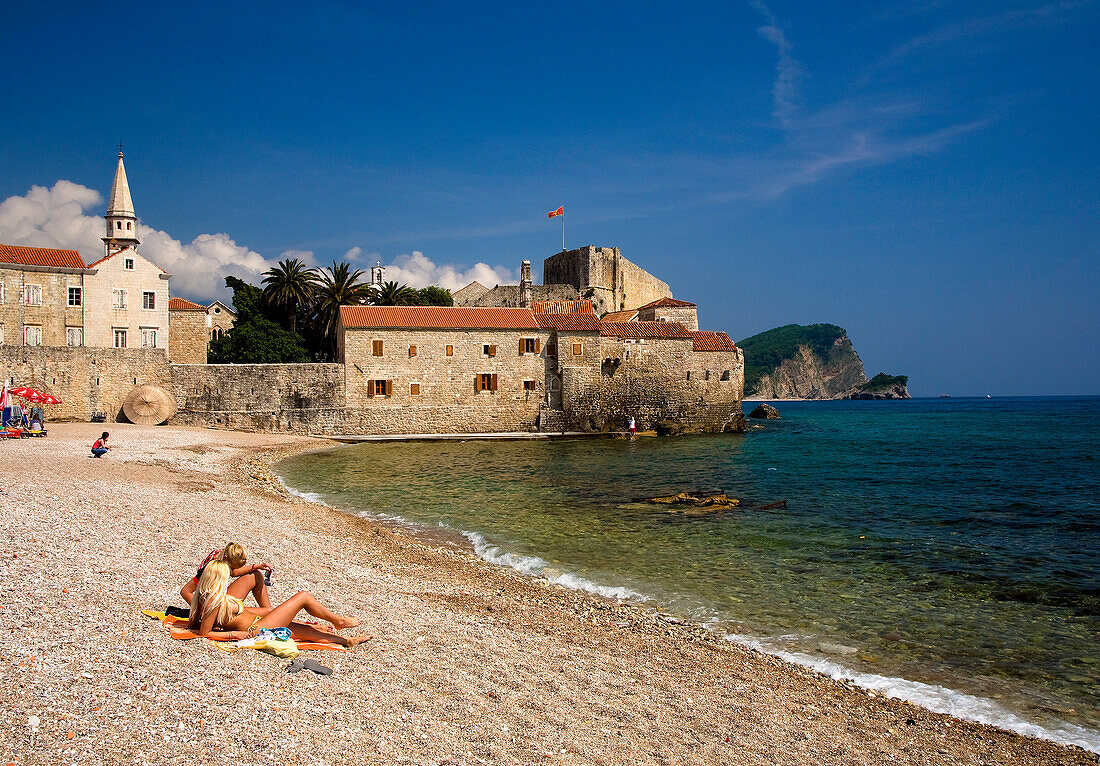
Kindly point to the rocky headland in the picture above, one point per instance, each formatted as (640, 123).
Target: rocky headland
(812, 362)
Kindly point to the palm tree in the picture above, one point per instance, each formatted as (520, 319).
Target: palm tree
(336, 287)
(290, 286)
(392, 294)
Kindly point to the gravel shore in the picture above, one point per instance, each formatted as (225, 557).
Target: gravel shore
(470, 663)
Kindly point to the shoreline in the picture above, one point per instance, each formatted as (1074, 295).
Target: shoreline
(471, 662)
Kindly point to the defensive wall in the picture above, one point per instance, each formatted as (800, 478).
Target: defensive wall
(87, 380)
(588, 382)
(615, 283)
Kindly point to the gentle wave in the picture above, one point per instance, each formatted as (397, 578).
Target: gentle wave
(534, 566)
(938, 699)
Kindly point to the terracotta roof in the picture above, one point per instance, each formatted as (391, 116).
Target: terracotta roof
(638, 330)
(620, 316)
(573, 322)
(667, 303)
(438, 317)
(41, 256)
(182, 304)
(709, 340)
(563, 307)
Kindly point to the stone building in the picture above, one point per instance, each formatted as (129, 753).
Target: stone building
(42, 297)
(187, 333)
(669, 310)
(601, 273)
(49, 297)
(553, 366)
(219, 319)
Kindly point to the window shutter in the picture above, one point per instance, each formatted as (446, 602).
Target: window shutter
(538, 345)
(412, 350)
(477, 383)
(492, 350)
(377, 350)
(493, 382)
(370, 388)
(521, 343)
(389, 388)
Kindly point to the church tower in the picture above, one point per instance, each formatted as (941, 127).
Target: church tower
(121, 220)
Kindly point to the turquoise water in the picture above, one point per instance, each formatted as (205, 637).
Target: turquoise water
(945, 551)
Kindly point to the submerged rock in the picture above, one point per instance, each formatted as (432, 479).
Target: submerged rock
(696, 505)
(764, 412)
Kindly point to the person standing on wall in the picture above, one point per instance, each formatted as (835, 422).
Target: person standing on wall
(630, 425)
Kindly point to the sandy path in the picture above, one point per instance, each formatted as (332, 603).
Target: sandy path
(470, 665)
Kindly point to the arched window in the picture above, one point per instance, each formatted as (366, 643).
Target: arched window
(127, 226)
(118, 224)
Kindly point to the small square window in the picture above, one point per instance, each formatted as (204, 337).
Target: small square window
(148, 300)
(485, 381)
(120, 338)
(578, 349)
(529, 385)
(528, 346)
(128, 264)
(74, 336)
(412, 350)
(725, 374)
(32, 295)
(450, 350)
(32, 335)
(414, 389)
(379, 388)
(148, 337)
(75, 297)
(490, 350)
(376, 348)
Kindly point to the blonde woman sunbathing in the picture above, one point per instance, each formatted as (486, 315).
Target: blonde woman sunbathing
(217, 614)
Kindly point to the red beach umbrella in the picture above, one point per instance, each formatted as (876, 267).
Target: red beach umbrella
(32, 395)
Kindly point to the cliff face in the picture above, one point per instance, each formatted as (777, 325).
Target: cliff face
(809, 374)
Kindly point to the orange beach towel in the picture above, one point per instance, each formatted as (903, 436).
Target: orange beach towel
(177, 627)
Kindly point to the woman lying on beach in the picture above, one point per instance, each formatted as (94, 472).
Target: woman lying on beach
(217, 614)
(249, 577)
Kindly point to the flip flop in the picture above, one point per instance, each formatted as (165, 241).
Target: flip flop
(317, 667)
(295, 666)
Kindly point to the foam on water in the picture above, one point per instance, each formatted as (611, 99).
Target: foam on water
(536, 567)
(938, 699)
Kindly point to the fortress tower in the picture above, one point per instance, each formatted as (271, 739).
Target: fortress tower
(601, 274)
(121, 219)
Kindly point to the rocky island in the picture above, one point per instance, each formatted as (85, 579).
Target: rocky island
(812, 362)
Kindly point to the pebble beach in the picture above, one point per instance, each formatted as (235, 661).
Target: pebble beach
(470, 663)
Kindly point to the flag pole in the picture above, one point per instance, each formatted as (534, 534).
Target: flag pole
(563, 231)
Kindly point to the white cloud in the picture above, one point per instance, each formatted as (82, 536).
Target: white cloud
(788, 71)
(417, 270)
(59, 217)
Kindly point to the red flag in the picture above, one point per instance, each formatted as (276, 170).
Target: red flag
(559, 211)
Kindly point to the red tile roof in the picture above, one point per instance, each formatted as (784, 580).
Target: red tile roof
(438, 317)
(573, 322)
(182, 304)
(647, 330)
(41, 256)
(563, 307)
(667, 303)
(709, 340)
(620, 316)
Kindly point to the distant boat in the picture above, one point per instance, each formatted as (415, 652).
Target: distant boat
(945, 396)
(987, 396)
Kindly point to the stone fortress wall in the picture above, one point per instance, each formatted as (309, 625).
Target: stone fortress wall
(614, 282)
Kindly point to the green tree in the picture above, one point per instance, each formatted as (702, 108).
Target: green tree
(289, 288)
(393, 294)
(338, 286)
(434, 295)
(255, 337)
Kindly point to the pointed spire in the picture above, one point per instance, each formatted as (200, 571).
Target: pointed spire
(119, 202)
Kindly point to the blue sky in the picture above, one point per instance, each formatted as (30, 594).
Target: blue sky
(922, 173)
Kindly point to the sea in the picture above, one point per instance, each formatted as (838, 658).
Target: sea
(943, 551)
